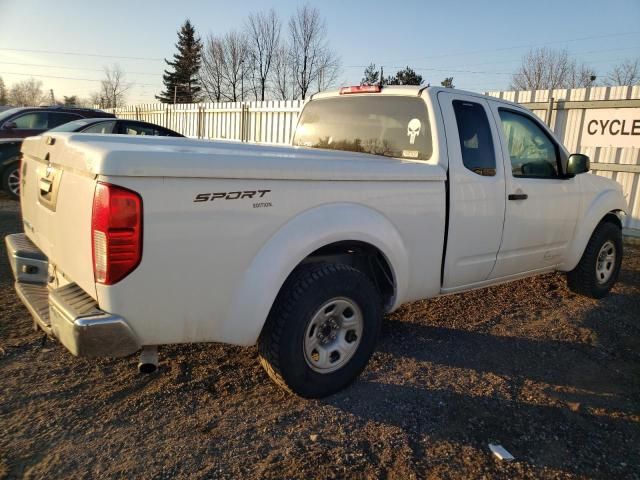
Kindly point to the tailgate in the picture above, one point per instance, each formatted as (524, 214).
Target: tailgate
(57, 199)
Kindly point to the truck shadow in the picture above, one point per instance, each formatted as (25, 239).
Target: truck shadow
(551, 403)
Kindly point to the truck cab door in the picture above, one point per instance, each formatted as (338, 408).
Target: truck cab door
(476, 190)
(541, 203)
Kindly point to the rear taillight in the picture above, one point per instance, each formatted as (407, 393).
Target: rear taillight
(116, 233)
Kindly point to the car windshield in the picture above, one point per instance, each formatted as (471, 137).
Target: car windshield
(7, 113)
(71, 126)
(390, 126)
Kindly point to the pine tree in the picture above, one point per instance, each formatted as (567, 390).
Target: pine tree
(371, 75)
(182, 79)
(3, 93)
(447, 82)
(406, 76)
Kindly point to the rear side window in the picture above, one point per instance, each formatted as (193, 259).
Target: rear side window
(376, 124)
(58, 118)
(101, 127)
(140, 129)
(476, 143)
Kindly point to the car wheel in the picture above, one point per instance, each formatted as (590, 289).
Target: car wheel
(598, 269)
(11, 180)
(322, 329)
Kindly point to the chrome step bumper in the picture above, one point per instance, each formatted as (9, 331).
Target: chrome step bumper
(68, 312)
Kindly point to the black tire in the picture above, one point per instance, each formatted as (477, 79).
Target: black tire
(584, 278)
(9, 174)
(281, 343)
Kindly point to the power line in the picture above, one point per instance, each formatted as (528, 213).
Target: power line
(72, 68)
(80, 54)
(593, 37)
(69, 78)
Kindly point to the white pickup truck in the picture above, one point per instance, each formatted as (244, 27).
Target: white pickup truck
(387, 195)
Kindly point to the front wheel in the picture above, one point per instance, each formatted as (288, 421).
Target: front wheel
(11, 180)
(321, 330)
(600, 264)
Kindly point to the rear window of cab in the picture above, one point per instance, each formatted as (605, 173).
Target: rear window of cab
(390, 126)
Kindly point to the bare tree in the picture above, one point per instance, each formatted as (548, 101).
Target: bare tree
(544, 68)
(627, 73)
(27, 93)
(328, 71)
(234, 55)
(282, 83)
(3, 93)
(113, 88)
(212, 69)
(263, 38)
(581, 75)
(309, 54)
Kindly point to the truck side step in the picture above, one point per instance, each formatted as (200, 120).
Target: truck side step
(36, 299)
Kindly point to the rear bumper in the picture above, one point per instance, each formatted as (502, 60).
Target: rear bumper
(67, 312)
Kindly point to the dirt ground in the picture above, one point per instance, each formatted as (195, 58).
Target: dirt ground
(551, 376)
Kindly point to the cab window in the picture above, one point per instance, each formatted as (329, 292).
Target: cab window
(376, 124)
(533, 154)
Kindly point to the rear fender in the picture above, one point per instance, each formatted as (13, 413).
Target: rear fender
(302, 235)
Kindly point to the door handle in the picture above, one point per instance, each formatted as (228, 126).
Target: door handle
(518, 196)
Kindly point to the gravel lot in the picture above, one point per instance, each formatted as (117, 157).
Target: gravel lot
(553, 377)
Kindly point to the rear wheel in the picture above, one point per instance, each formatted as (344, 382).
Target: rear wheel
(11, 180)
(321, 330)
(599, 266)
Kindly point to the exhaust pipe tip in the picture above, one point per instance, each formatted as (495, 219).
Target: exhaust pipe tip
(147, 367)
(148, 362)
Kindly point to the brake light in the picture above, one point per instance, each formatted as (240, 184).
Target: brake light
(116, 233)
(360, 89)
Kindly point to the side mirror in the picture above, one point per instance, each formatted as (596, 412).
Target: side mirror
(578, 163)
(9, 125)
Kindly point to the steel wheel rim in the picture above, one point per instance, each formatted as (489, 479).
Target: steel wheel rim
(333, 335)
(13, 182)
(606, 262)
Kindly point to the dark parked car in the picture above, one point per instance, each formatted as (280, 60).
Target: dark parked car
(19, 123)
(10, 150)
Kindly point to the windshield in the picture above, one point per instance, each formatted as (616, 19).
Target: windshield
(7, 113)
(391, 126)
(70, 126)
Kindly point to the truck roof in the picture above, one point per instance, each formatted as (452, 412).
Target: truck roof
(412, 91)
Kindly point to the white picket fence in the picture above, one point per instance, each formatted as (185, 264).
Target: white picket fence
(272, 122)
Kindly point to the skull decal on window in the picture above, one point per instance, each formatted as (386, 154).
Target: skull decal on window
(413, 129)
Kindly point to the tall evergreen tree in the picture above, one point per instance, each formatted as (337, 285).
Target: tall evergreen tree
(181, 79)
(447, 82)
(372, 76)
(406, 76)
(3, 93)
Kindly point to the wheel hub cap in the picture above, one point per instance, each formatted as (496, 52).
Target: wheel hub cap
(605, 263)
(14, 182)
(333, 335)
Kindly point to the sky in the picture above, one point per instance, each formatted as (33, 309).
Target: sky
(67, 43)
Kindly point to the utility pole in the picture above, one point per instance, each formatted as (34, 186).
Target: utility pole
(175, 93)
(53, 98)
(241, 80)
